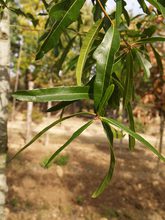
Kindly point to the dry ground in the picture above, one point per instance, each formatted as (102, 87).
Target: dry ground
(137, 190)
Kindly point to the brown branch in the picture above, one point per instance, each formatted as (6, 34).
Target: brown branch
(104, 11)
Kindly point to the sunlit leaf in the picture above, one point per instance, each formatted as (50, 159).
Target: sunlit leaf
(85, 49)
(109, 175)
(104, 56)
(134, 135)
(45, 130)
(75, 135)
(69, 17)
(54, 94)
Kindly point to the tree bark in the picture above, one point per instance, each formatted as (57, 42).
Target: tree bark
(4, 79)
(29, 115)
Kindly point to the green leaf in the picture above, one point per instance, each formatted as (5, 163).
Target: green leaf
(85, 49)
(144, 63)
(144, 6)
(119, 10)
(150, 40)
(104, 56)
(104, 101)
(45, 130)
(128, 92)
(54, 94)
(126, 16)
(134, 135)
(132, 126)
(60, 106)
(109, 175)
(75, 135)
(158, 60)
(118, 134)
(58, 10)
(69, 17)
(64, 54)
(159, 5)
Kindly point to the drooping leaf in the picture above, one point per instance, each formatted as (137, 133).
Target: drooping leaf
(144, 6)
(145, 64)
(46, 129)
(64, 54)
(58, 10)
(104, 56)
(150, 40)
(160, 5)
(131, 126)
(128, 89)
(149, 31)
(69, 17)
(60, 106)
(85, 49)
(119, 10)
(74, 136)
(109, 175)
(134, 135)
(54, 94)
(104, 102)
(158, 60)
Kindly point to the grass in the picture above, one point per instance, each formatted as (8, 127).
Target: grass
(60, 160)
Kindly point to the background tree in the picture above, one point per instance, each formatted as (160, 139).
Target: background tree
(4, 77)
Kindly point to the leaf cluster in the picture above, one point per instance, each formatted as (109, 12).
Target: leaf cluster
(111, 52)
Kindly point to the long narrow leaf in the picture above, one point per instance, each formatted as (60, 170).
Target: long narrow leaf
(132, 126)
(75, 135)
(105, 99)
(158, 60)
(146, 65)
(150, 40)
(144, 6)
(134, 135)
(45, 130)
(60, 106)
(109, 175)
(104, 56)
(160, 5)
(69, 17)
(119, 7)
(128, 92)
(54, 94)
(85, 49)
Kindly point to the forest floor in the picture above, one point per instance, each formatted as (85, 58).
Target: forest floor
(63, 192)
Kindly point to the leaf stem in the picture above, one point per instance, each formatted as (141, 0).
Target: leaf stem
(104, 11)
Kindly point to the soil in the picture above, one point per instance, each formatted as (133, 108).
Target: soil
(63, 192)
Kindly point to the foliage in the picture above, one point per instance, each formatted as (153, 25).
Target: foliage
(112, 52)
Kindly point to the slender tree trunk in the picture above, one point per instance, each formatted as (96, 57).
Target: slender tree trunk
(162, 124)
(4, 78)
(17, 80)
(48, 114)
(29, 115)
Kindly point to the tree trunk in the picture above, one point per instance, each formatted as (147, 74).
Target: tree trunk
(29, 115)
(4, 79)
(162, 123)
(17, 80)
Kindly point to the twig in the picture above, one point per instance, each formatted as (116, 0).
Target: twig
(104, 11)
